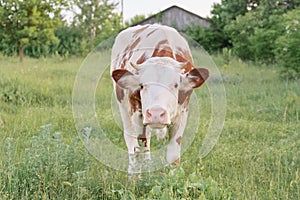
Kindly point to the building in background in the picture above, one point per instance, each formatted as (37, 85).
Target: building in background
(176, 17)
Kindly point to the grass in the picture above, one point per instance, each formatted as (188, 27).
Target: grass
(42, 157)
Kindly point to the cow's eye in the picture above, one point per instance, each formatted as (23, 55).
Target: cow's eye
(141, 86)
(176, 85)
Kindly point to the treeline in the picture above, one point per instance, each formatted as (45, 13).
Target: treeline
(38, 28)
(266, 31)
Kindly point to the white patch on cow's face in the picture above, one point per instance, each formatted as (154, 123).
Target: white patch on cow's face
(159, 85)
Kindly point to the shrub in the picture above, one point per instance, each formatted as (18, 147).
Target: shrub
(288, 51)
(49, 168)
(16, 93)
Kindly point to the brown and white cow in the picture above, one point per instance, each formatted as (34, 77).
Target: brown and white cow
(154, 77)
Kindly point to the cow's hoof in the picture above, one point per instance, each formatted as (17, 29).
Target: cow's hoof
(176, 162)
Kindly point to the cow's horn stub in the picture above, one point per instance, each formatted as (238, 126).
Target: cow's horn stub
(135, 66)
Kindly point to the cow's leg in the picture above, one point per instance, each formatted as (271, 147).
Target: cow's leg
(146, 143)
(145, 155)
(133, 150)
(176, 132)
(131, 141)
(144, 138)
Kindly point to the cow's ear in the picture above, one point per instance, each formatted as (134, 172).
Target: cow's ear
(195, 78)
(125, 79)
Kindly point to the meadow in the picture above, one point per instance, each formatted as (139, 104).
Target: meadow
(42, 157)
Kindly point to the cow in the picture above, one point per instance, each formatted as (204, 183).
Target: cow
(153, 76)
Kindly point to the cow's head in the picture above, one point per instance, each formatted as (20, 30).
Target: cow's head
(161, 83)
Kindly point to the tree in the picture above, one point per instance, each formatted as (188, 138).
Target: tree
(71, 41)
(91, 15)
(209, 38)
(288, 51)
(254, 33)
(240, 31)
(135, 20)
(26, 23)
(111, 27)
(215, 38)
(277, 7)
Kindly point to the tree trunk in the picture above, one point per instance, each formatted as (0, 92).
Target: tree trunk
(21, 53)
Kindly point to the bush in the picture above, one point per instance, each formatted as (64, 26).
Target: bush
(288, 45)
(71, 41)
(210, 39)
(49, 168)
(15, 93)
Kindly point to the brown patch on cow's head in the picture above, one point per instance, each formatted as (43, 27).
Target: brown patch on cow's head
(119, 93)
(128, 51)
(124, 61)
(151, 32)
(136, 32)
(178, 140)
(135, 101)
(184, 56)
(163, 49)
(134, 44)
(142, 59)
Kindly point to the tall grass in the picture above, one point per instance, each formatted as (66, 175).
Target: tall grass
(41, 156)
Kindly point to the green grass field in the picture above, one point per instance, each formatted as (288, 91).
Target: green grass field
(41, 156)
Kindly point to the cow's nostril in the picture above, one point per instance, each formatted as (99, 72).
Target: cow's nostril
(162, 114)
(148, 114)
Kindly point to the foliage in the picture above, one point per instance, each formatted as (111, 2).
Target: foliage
(93, 15)
(288, 51)
(228, 10)
(216, 37)
(28, 23)
(135, 20)
(46, 157)
(262, 45)
(111, 27)
(278, 7)
(36, 27)
(204, 36)
(240, 32)
(71, 41)
(254, 30)
(177, 184)
(253, 35)
(15, 93)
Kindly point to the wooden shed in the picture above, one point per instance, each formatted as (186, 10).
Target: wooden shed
(176, 17)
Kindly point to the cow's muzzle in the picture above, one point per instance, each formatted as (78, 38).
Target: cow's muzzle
(156, 117)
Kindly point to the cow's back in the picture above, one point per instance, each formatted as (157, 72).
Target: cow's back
(139, 43)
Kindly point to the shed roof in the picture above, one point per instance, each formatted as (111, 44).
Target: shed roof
(167, 9)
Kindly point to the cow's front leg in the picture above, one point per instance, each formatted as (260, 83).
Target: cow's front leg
(133, 150)
(145, 140)
(138, 153)
(144, 137)
(173, 148)
(130, 136)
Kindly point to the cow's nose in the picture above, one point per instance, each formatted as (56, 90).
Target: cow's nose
(156, 115)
